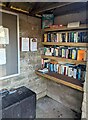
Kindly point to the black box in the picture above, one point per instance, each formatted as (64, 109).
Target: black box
(20, 104)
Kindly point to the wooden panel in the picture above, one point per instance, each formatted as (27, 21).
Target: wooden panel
(64, 28)
(63, 59)
(66, 44)
(70, 82)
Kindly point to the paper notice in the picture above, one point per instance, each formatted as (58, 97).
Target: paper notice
(33, 44)
(2, 56)
(4, 35)
(25, 44)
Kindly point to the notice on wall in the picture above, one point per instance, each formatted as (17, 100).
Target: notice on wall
(4, 35)
(33, 44)
(2, 56)
(25, 44)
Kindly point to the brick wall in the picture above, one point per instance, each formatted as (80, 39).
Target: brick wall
(29, 61)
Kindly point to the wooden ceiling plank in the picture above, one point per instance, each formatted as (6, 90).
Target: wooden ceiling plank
(50, 7)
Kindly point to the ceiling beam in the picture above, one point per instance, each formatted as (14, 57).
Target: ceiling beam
(8, 4)
(51, 7)
(16, 11)
(33, 7)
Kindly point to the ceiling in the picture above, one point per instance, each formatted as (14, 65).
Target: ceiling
(38, 8)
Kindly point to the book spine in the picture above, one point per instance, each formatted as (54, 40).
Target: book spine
(45, 37)
(74, 54)
(49, 37)
(66, 38)
(63, 37)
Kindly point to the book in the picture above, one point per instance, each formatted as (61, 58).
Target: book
(76, 37)
(79, 36)
(85, 37)
(45, 70)
(81, 55)
(60, 37)
(63, 37)
(52, 37)
(45, 37)
(66, 37)
(49, 37)
(74, 54)
(71, 36)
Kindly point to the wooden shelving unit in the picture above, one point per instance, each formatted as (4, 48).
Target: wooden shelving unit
(63, 59)
(56, 77)
(62, 79)
(64, 28)
(71, 44)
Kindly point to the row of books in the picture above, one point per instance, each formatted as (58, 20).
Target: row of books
(66, 52)
(66, 37)
(71, 70)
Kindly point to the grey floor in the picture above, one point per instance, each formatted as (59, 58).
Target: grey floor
(49, 108)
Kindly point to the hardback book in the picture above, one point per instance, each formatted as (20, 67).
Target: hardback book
(63, 52)
(52, 37)
(74, 54)
(45, 37)
(60, 37)
(81, 55)
(63, 37)
(49, 37)
(76, 37)
(80, 36)
(71, 36)
(66, 37)
(85, 37)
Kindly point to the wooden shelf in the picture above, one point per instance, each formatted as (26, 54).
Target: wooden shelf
(62, 79)
(66, 44)
(63, 59)
(64, 28)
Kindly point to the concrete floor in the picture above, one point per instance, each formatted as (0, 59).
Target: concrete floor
(49, 108)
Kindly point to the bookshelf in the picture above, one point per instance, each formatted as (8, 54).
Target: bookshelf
(73, 82)
(63, 59)
(62, 79)
(64, 28)
(72, 44)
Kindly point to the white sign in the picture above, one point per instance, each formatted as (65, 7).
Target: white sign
(4, 35)
(25, 44)
(33, 44)
(2, 56)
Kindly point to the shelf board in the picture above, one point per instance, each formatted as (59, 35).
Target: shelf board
(64, 28)
(66, 44)
(62, 79)
(63, 59)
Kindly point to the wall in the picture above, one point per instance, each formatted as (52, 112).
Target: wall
(75, 17)
(29, 61)
(65, 95)
(85, 96)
